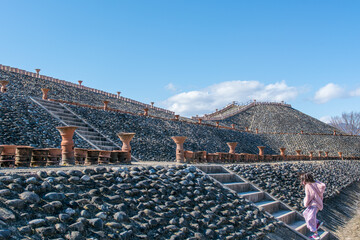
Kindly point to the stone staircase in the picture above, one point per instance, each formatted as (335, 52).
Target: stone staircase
(291, 218)
(85, 131)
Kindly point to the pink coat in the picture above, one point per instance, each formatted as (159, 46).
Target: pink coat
(314, 194)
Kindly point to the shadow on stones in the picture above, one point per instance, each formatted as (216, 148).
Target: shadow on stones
(339, 209)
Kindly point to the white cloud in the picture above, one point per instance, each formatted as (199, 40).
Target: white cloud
(171, 87)
(355, 93)
(325, 119)
(329, 92)
(219, 95)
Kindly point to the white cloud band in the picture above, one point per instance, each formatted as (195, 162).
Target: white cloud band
(218, 95)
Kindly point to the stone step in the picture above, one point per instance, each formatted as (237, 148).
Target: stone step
(58, 110)
(101, 143)
(73, 119)
(83, 129)
(238, 187)
(270, 205)
(226, 177)
(253, 196)
(286, 215)
(300, 226)
(87, 133)
(324, 235)
(96, 138)
(86, 129)
(76, 124)
(212, 169)
(64, 114)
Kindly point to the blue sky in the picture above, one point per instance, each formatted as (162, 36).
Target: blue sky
(194, 56)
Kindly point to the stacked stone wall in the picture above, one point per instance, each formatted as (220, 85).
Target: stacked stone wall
(178, 202)
(22, 122)
(282, 180)
(30, 85)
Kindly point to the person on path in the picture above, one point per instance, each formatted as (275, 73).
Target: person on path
(313, 201)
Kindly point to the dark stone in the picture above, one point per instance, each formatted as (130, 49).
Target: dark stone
(6, 215)
(54, 196)
(29, 197)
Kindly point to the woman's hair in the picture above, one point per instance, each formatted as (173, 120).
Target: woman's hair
(307, 178)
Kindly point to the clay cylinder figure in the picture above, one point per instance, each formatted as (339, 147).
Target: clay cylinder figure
(177, 117)
(340, 155)
(179, 140)
(122, 156)
(7, 158)
(106, 104)
(261, 150)
(37, 71)
(233, 126)
(54, 157)
(80, 155)
(199, 120)
(311, 155)
(45, 93)
(23, 156)
(92, 157)
(256, 130)
(80, 82)
(232, 146)
(104, 157)
(282, 151)
(301, 132)
(3, 85)
(217, 123)
(114, 157)
(118, 94)
(146, 112)
(320, 154)
(152, 104)
(326, 154)
(67, 144)
(334, 132)
(298, 152)
(39, 157)
(126, 138)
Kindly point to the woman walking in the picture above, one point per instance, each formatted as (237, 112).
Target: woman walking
(313, 202)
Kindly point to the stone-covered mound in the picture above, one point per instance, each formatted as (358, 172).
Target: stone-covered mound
(152, 140)
(22, 122)
(178, 202)
(25, 123)
(277, 118)
(21, 85)
(348, 145)
(282, 180)
(153, 136)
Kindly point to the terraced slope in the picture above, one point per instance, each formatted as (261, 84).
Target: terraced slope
(178, 202)
(276, 118)
(282, 181)
(24, 85)
(22, 122)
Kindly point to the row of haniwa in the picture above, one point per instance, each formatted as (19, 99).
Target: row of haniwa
(183, 156)
(26, 156)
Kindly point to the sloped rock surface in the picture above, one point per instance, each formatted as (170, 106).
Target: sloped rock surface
(128, 203)
(282, 180)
